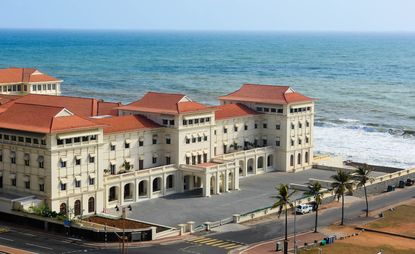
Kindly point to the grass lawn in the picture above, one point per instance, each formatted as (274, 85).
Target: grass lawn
(401, 220)
(347, 248)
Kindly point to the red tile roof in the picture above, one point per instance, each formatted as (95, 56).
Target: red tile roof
(125, 123)
(266, 94)
(24, 75)
(6, 98)
(165, 103)
(41, 119)
(84, 107)
(233, 110)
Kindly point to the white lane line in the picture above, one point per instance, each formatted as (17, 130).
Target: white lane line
(7, 239)
(35, 245)
(26, 234)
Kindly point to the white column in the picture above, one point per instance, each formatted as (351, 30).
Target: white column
(206, 185)
(150, 188)
(226, 179)
(217, 191)
(121, 195)
(236, 179)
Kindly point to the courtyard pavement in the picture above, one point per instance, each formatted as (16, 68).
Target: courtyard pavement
(255, 192)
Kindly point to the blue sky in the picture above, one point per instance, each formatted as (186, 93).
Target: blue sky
(288, 15)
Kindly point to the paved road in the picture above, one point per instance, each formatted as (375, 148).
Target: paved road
(41, 242)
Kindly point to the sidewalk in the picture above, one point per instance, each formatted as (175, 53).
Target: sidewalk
(269, 246)
(5, 249)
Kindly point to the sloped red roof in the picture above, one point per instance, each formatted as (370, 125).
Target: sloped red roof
(266, 94)
(125, 123)
(41, 119)
(4, 98)
(23, 75)
(233, 110)
(165, 103)
(84, 107)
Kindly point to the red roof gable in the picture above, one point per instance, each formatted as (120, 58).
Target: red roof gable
(23, 75)
(233, 110)
(41, 119)
(84, 107)
(125, 123)
(164, 103)
(266, 94)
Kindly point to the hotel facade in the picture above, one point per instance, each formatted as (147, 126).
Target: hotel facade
(83, 155)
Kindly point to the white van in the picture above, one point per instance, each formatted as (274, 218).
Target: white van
(303, 209)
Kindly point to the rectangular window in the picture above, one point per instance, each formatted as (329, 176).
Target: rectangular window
(292, 126)
(1, 182)
(68, 141)
(77, 183)
(63, 164)
(13, 138)
(256, 126)
(191, 121)
(154, 140)
(207, 119)
(63, 186)
(49, 86)
(299, 141)
(77, 161)
(28, 140)
(36, 141)
(264, 125)
(34, 87)
(300, 125)
(259, 109)
(85, 139)
(184, 122)
(21, 139)
(27, 159)
(205, 138)
(292, 142)
(58, 142)
(277, 126)
(126, 145)
(41, 163)
(187, 140)
(13, 157)
(6, 137)
(77, 140)
(154, 160)
(27, 184)
(199, 139)
(266, 109)
(187, 160)
(41, 187)
(91, 181)
(165, 121)
(168, 160)
(171, 122)
(112, 147)
(43, 142)
(280, 110)
(205, 157)
(141, 143)
(277, 142)
(246, 127)
(14, 182)
(307, 124)
(273, 110)
(193, 159)
(140, 164)
(196, 121)
(168, 141)
(112, 169)
(53, 86)
(235, 128)
(93, 137)
(194, 140)
(91, 159)
(264, 142)
(307, 140)
(225, 130)
(202, 120)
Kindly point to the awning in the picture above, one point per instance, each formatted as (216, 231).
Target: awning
(78, 178)
(26, 156)
(63, 180)
(40, 159)
(26, 178)
(12, 176)
(128, 141)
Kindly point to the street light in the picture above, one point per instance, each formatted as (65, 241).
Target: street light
(123, 217)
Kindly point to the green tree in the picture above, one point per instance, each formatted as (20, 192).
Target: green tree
(362, 177)
(315, 191)
(283, 204)
(342, 183)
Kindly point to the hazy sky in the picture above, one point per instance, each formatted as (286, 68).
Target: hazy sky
(292, 15)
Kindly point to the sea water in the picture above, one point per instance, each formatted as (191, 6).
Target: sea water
(364, 83)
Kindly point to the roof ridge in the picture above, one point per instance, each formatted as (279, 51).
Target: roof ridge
(40, 105)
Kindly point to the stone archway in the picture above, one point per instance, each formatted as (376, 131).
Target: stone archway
(143, 189)
(250, 166)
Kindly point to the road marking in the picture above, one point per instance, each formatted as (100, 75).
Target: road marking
(27, 234)
(7, 239)
(224, 244)
(35, 245)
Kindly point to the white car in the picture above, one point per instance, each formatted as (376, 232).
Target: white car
(303, 209)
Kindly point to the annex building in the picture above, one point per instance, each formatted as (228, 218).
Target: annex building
(84, 155)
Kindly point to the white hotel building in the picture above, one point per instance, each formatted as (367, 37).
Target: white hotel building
(86, 155)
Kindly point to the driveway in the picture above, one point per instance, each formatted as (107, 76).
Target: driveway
(255, 192)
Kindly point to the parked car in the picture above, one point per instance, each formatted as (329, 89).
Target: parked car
(303, 209)
(401, 184)
(409, 182)
(390, 188)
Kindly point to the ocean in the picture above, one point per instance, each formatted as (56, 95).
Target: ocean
(364, 82)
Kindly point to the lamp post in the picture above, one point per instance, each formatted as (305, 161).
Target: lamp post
(123, 217)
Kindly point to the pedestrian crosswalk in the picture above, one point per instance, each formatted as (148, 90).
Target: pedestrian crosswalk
(223, 244)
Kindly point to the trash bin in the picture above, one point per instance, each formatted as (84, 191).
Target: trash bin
(278, 246)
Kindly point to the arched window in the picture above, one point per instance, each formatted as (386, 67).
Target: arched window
(292, 160)
(299, 158)
(77, 207)
(62, 208)
(157, 184)
(260, 163)
(91, 205)
(169, 182)
(113, 194)
(269, 160)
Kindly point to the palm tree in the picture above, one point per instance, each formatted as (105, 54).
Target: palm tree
(362, 176)
(342, 183)
(315, 191)
(283, 204)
